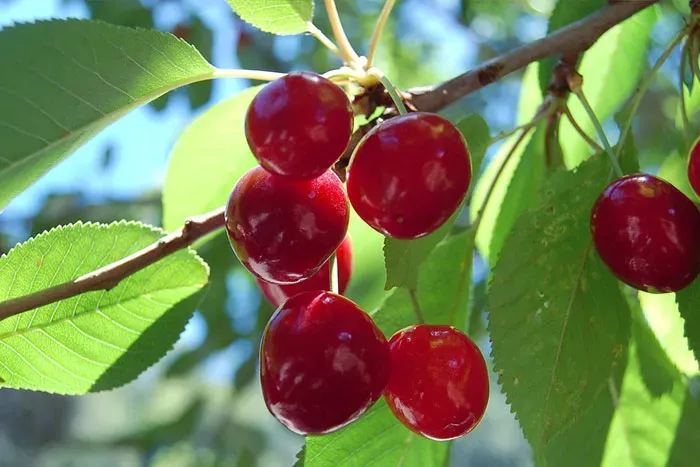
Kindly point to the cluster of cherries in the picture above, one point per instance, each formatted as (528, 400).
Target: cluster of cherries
(323, 361)
(648, 232)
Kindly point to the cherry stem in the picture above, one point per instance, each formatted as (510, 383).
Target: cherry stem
(684, 111)
(335, 281)
(344, 47)
(256, 75)
(323, 39)
(578, 91)
(596, 147)
(416, 306)
(378, 28)
(393, 93)
(644, 85)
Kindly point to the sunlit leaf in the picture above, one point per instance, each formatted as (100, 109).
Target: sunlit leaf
(276, 16)
(98, 340)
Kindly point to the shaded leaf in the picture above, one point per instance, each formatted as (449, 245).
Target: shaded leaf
(64, 81)
(689, 307)
(94, 341)
(276, 16)
(558, 321)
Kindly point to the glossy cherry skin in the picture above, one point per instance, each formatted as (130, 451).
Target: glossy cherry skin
(439, 384)
(277, 294)
(409, 174)
(298, 126)
(648, 233)
(323, 363)
(284, 230)
(694, 167)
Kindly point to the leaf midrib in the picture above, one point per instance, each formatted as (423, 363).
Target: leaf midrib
(26, 330)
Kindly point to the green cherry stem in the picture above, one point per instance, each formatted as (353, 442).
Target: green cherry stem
(575, 85)
(391, 89)
(378, 28)
(323, 39)
(416, 306)
(642, 88)
(684, 111)
(345, 48)
(596, 147)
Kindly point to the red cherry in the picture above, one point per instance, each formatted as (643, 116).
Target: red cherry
(299, 125)
(439, 384)
(323, 363)
(277, 294)
(694, 167)
(284, 230)
(409, 175)
(647, 232)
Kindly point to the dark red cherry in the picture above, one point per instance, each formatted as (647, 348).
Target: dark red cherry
(409, 175)
(323, 363)
(439, 384)
(277, 294)
(648, 233)
(299, 125)
(283, 230)
(694, 167)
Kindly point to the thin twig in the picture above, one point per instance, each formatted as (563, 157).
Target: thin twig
(596, 147)
(111, 275)
(346, 50)
(416, 306)
(323, 39)
(378, 28)
(576, 37)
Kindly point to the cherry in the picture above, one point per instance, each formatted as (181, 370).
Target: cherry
(647, 232)
(323, 363)
(298, 126)
(694, 167)
(284, 230)
(277, 294)
(439, 384)
(409, 175)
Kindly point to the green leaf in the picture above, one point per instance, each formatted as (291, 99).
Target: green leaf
(98, 340)
(557, 319)
(620, 52)
(444, 287)
(208, 159)
(664, 318)
(376, 439)
(674, 169)
(516, 184)
(689, 307)
(646, 429)
(276, 16)
(404, 258)
(564, 13)
(64, 81)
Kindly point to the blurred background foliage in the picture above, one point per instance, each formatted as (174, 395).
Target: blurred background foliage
(200, 406)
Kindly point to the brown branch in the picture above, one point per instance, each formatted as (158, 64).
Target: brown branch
(573, 38)
(111, 275)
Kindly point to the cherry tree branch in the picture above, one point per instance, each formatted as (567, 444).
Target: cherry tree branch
(111, 275)
(576, 37)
